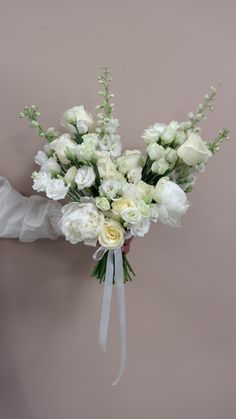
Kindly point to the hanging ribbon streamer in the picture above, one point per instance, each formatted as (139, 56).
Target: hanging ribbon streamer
(114, 269)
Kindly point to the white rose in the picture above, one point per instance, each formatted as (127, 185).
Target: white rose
(111, 188)
(85, 177)
(56, 189)
(152, 134)
(160, 166)
(61, 145)
(40, 158)
(135, 175)
(172, 202)
(77, 117)
(122, 203)
(194, 150)
(131, 159)
(131, 215)
(102, 203)
(40, 181)
(140, 229)
(155, 151)
(144, 191)
(81, 222)
(111, 235)
(51, 166)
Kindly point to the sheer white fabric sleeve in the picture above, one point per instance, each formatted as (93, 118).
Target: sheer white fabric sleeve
(25, 218)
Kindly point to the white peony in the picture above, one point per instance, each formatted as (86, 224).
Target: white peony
(152, 134)
(56, 189)
(85, 177)
(61, 145)
(81, 222)
(172, 202)
(111, 188)
(140, 229)
(77, 117)
(111, 235)
(194, 150)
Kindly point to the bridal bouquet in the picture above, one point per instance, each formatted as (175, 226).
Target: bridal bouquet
(113, 195)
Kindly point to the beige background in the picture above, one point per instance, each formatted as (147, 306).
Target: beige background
(181, 308)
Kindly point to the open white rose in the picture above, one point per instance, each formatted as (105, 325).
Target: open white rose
(122, 203)
(81, 222)
(56, 189)
(78, 117)
(85, 177)
(172, 202)
(194, 150)
(61, 145)
(111, 235)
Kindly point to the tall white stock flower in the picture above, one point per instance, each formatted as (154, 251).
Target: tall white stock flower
(41, 181)
(56, 189)
(81, 222)
(152, 134)
(194, 150)
(172, 202)
(78, 117)
(141, 228)
(111, 188)
(85, 177)
(61, 145)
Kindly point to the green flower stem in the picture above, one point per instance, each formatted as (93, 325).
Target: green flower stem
(99, 270)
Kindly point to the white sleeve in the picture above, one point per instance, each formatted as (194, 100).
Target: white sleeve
(25, 218)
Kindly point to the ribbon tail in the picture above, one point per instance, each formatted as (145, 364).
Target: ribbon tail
(119, 281)
(106, 304)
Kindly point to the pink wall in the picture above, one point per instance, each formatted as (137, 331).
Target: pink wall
(181, 308)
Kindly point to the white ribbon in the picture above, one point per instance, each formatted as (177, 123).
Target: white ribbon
(114, 268)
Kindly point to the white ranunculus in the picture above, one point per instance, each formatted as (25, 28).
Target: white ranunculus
(170, 132)
(102, 203)
(194, 150)
(111, 235)
(131, 215)
(144, 191)
(81, 222)
(154, 213)
(77, 117)
(51, 166)
(56, 189)
(40, 181)
(155, 151)
(111, 188)
(140, 229)
(160, 166)
(70, 175)
(135, 175)
(61, 145)
(172, 202)
(105, 165)
(131, 159)
(152, 134)
(40, 158)
(85, 177)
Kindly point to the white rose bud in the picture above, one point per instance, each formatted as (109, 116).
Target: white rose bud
(70, 176)
(61, 145)
(85, 177)
(194, 150)
(155, 151)
(170, 132)
(160, 166)
(79, 117)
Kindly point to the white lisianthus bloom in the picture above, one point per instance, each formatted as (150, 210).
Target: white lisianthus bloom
(40, 181)
(102, 203)
(40, 158)
(194, 150)
(70, 175)
(61, 145)
(78, 117)
(144, 191)
(56, 189)
(81, 222)
(111, 188)
(105, 165)
(122, 203)
(131, 159)
(51, 166)
(135, 175)
(160, 166)
(91, 139)
(171, 155)
(152, 134)
(129, 190)
(85, 177)
(139, 230)
(170, 132)
(131, 215)
(172, 202)
(154, 213)
(87, 149)
(155, 151)
(180, 138)
(144, 209)
(111, 235)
